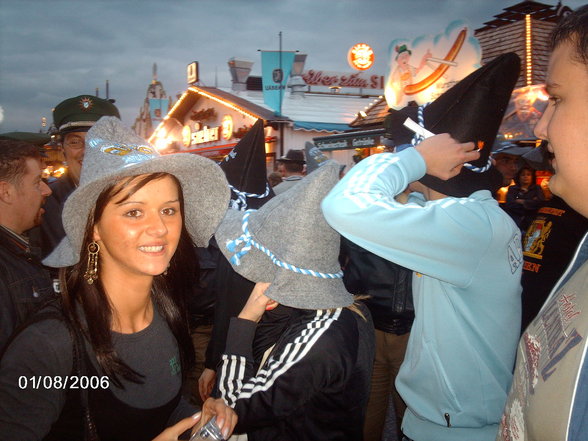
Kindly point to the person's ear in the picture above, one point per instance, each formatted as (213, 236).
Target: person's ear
(7, 192)
(96, 233)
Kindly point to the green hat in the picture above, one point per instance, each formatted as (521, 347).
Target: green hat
(80, 113)
(39, 139)
(401, 49)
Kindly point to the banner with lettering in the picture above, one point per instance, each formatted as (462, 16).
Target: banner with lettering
(275, 70)
(360, 80)
(157, 109)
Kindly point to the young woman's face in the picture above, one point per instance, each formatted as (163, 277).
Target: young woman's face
(139, 235)
(526, 177)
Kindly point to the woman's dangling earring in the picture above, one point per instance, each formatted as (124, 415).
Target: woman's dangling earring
(91, 274)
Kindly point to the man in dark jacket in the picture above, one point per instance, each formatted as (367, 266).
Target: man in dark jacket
(389, 287)
(23, 280)
(73, 118)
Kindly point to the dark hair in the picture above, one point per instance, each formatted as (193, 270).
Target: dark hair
(13, 157)
(293, 167)
(517, 177)
(274, 178)
(573, 28)
(168, 292)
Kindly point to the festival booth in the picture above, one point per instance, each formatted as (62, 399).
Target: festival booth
(210, 120)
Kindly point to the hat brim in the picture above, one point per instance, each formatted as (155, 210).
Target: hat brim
(514, 151)
(294, 161)
(204, 186)
(538, 158)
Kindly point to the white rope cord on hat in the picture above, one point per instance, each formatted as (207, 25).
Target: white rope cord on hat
(247, 239)
(241, 202)
(503, 148)
(419, 137)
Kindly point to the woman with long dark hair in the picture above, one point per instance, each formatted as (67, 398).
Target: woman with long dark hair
(106, 361)
(524, 198)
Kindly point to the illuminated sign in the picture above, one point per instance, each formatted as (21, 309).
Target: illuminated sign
(360, 56)
(192, 72)
(423, 68)
(186, 136)
(205, 135)
(348, 142)
(227, 127)
(199, 136)
(334, 79)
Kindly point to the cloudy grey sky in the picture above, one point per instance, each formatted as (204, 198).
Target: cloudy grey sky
(51, 50)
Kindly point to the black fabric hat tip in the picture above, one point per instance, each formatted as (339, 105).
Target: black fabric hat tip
(245, 169)
(471, 111)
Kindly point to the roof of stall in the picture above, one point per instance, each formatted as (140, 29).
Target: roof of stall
(324, 112)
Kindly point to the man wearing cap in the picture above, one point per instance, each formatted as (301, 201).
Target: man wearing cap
(291, 167)
(507, 159)
(73, 118)
(23, 280)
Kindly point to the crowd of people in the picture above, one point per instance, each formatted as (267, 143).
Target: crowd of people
(144, 295)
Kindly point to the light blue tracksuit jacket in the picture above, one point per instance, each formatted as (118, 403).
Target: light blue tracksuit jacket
(467, 258)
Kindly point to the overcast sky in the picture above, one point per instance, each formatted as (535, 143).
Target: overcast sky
(51, 50)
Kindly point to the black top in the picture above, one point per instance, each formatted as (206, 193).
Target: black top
(314, 384)
(532, 198)
(40, 389)
(548, 247)
(24, 283)
(52, 228)
(388, 285)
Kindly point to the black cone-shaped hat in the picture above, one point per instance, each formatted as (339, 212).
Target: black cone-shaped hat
(246, 170)
(472, 110)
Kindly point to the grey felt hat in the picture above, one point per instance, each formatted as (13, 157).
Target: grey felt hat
(314, 157)
(114, 152)
(303, 268)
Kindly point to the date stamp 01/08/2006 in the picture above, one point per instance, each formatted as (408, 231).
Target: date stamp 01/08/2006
(67, 382)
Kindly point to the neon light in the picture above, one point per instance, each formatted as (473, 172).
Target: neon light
(529, 49)
(227, 127)
(361, 56)
(223, 102)
(193, 89)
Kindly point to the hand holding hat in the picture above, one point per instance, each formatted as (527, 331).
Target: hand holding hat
(257, 303)
(445, 156)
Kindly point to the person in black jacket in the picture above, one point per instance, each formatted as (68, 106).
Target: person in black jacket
(24, 282)
(313, 382)
(245, 169)
(524, 198)
(389, 290)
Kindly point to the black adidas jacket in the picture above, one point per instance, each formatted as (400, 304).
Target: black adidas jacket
(314, 385)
